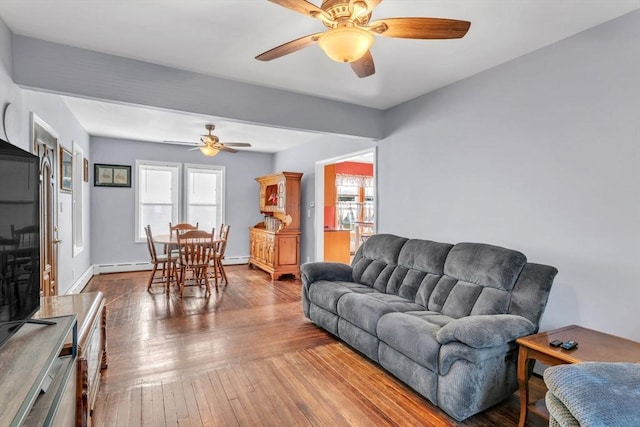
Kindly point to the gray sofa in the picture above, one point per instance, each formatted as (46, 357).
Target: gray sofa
(593, 394)
(442, 318)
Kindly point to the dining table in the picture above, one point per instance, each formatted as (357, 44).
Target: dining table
(171, 240)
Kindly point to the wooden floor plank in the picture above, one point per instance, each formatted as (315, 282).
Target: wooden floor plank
(274, 398)
(192, 406)
(169, 403)
(134, 417)
(222, 408)
(124, 407)
(246, 356)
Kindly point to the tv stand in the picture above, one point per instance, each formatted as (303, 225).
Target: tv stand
(40, 322)
(90, 309)
(30, 361)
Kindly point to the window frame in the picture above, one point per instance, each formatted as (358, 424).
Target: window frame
(221, 170)
(176, 202)
(181, 202)
(77, 200)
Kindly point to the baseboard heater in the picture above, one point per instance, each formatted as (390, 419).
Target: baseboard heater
(141, 266)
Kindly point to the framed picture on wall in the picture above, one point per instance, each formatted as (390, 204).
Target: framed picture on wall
(111, 175)
(66, 170)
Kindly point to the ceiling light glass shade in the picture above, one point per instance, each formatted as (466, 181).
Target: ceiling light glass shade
(346, 44)
(208, 150)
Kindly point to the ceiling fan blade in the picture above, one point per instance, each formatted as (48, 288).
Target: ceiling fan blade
(302, 6)
(364, 66)
(289, 47)
(182, 143)
(420, 28)
(193, 149)
(225, 148)
(237, 144)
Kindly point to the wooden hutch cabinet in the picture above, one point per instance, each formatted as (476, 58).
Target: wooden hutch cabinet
(274, 244)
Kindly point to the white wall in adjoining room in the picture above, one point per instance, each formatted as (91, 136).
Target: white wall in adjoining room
(541, 155)
(113, 209)
(53, 111)
(303, 159)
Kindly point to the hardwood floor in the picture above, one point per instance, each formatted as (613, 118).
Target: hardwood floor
(245, 357)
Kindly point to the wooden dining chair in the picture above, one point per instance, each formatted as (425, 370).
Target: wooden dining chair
(196, 249)
(218, 256)
(182, 227)
(164, 260)
(175, 230)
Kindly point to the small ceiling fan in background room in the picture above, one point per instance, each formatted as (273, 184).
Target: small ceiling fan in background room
(210, 144)
(351, 33)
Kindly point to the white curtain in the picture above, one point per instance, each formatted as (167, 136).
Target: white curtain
(343, 180)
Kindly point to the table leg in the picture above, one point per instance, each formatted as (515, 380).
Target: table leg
(523, 384)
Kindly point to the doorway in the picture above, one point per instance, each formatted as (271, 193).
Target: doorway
(345, 204)
(45, 146)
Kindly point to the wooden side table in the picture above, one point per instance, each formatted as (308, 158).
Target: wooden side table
(593, 346)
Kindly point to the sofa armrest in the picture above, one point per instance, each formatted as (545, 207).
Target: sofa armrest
(485, 330)
(331, 271)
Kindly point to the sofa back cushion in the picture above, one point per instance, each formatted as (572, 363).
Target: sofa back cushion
(478, 279)
(454, 280)
(376, 259)
(399, 266)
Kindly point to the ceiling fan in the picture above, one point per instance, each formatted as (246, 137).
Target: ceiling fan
(351, 33)
(210, 144)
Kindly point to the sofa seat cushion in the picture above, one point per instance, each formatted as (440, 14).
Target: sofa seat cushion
(326, 294)
(365, 309)
(413, 334)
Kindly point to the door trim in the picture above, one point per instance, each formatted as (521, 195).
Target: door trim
(319, 196)
(47, 138)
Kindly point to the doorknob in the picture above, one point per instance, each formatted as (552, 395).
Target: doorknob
(56, 241)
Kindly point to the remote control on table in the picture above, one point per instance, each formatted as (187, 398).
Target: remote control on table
(556, 343)
(569, 345)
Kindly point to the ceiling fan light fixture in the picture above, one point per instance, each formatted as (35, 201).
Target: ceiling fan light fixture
(346, 44)
(208, 150)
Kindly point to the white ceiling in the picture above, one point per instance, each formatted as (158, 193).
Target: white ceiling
(222, 37)
(154, 125)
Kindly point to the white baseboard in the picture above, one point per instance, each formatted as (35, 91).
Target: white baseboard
(235, 260)
(141, 266)
(82, 281)
(122, 267)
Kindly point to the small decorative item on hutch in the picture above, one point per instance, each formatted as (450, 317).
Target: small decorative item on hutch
(275, 242)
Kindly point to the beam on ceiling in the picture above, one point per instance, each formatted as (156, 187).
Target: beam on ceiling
(63, 69)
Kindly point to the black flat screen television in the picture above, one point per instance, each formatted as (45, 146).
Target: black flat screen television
(19, 238)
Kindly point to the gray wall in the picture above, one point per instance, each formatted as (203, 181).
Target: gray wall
(52, 110)
(542, 155)
(113, 209)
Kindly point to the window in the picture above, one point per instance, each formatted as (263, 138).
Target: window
(78, 200)
(204, 186)
(163, 195)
